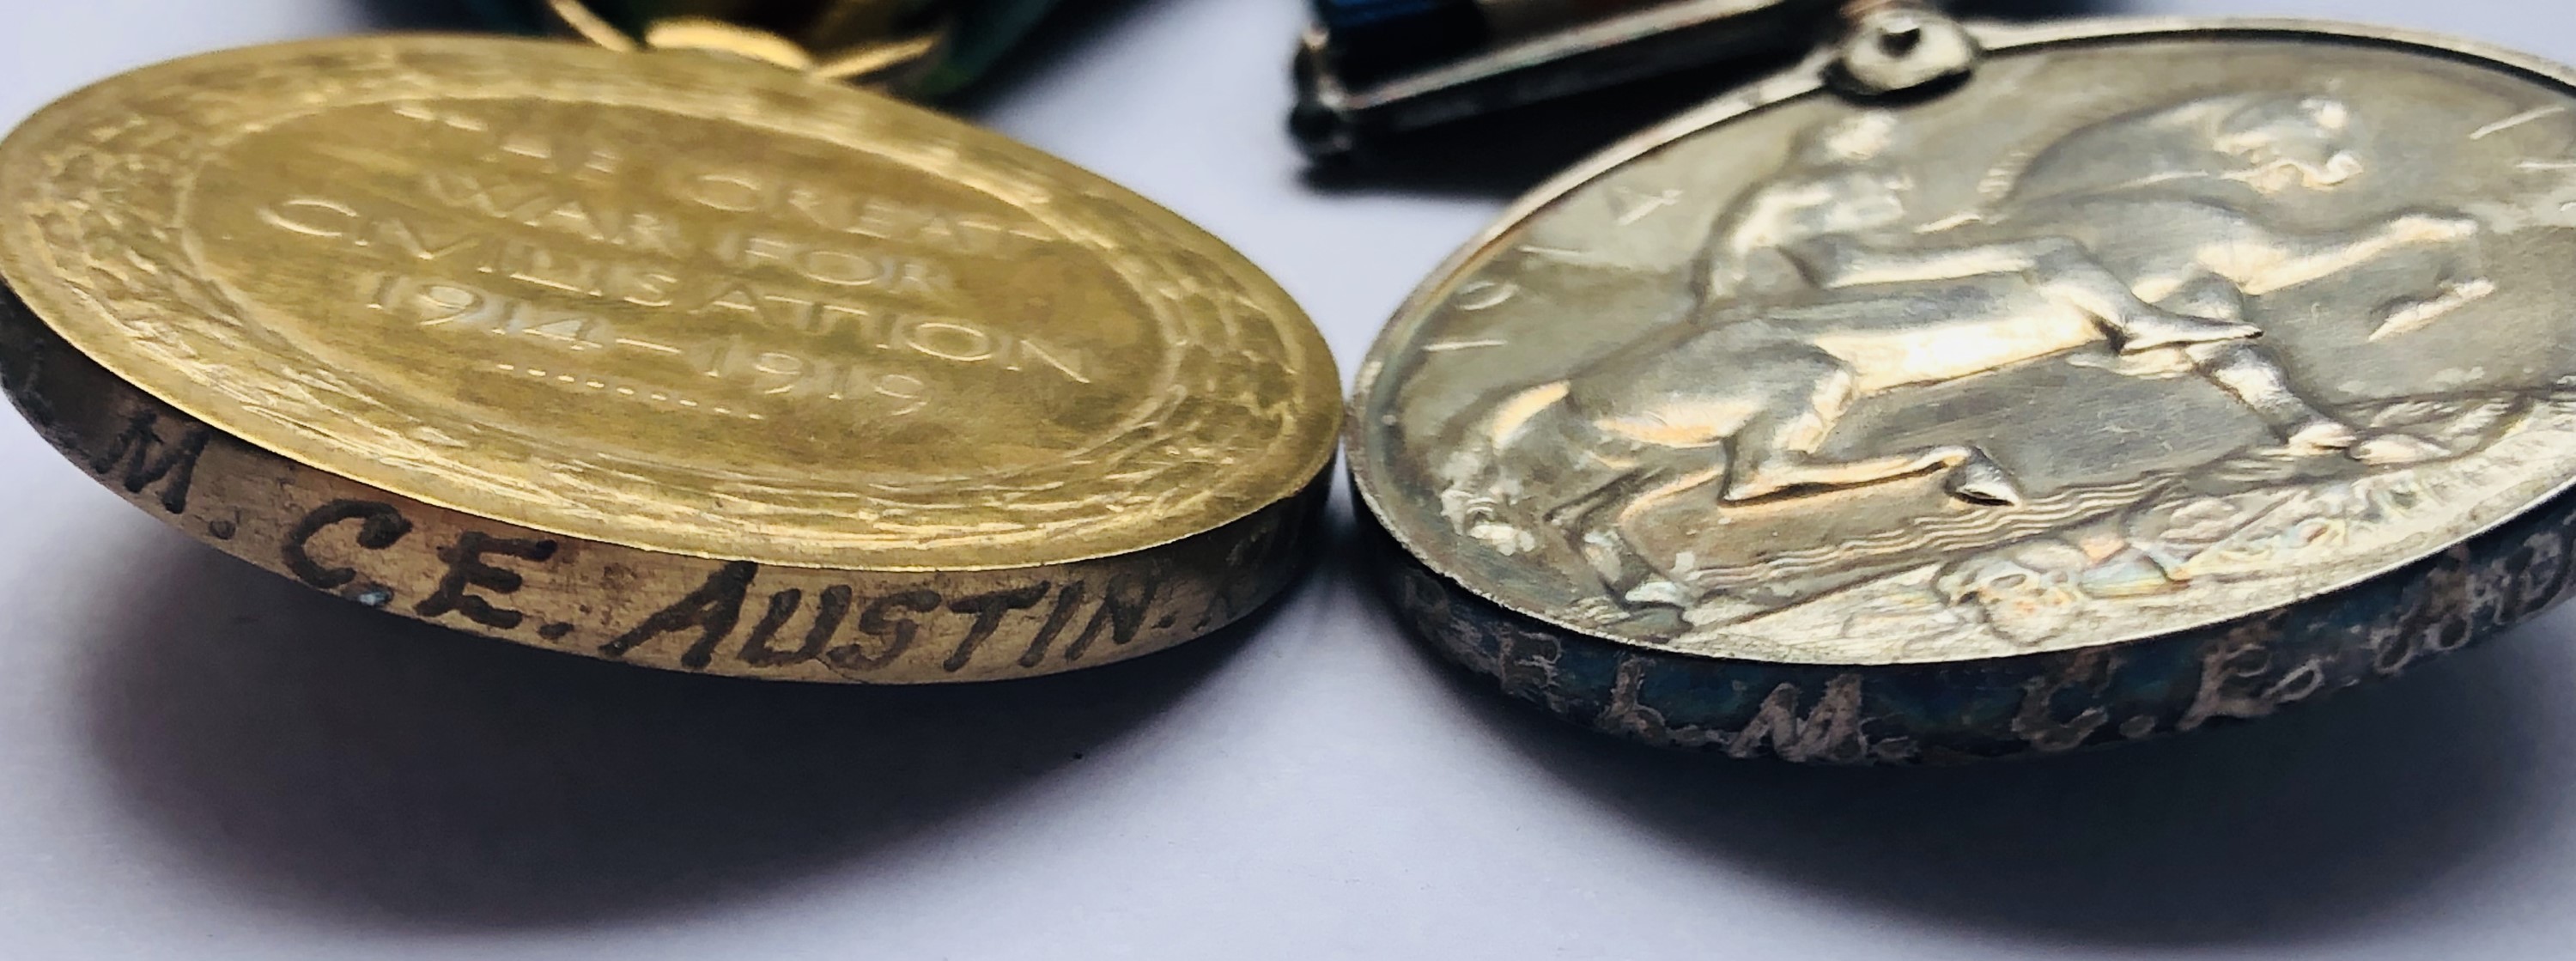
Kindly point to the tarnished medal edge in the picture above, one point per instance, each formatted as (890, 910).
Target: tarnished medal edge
(2021, 705)
(1317, 371)
(1811, 77)
(582, 596)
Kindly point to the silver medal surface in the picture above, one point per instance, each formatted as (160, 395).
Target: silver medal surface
(2145, 327)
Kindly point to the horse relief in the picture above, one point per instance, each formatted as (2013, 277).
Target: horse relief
(2140, 244)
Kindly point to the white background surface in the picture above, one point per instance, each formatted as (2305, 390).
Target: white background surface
(200, 761)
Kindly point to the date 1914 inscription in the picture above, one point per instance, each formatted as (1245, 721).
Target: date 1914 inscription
(566, 258)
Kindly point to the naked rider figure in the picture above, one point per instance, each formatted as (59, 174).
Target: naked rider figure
(1825, 284)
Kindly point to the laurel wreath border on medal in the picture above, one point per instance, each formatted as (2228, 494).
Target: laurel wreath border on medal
(1242, 414)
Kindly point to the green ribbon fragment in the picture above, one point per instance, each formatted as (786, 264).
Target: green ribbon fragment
(986, 32)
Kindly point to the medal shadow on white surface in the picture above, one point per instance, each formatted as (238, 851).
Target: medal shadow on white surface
(2365, 808)
(322, 758)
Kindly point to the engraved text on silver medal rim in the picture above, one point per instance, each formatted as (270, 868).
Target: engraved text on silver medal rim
(2141, 329)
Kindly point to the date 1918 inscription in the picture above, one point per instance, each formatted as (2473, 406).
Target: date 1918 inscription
(684, 284)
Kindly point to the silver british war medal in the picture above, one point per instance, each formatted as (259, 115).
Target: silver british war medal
(1977, 390)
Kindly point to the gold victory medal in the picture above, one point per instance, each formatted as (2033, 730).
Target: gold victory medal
(669, 358)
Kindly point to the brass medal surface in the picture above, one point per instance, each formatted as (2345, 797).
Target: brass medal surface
(2146, 330)
(712, 351)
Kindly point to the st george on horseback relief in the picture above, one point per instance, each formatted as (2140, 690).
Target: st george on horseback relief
(2141, 362)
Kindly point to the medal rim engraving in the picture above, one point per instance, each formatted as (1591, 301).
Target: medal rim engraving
(1296, 431)
(624, 605)
(1370, 406)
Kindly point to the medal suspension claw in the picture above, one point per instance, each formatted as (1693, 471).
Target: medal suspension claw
(1892, 46)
